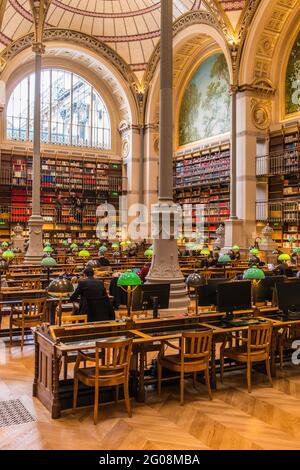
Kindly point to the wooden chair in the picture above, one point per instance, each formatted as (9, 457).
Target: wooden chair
(112, 362)
(32, 313)
(71, 320)
(31, 284)
(256, 348)
(193, 356)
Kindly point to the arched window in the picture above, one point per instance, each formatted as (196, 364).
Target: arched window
(72, 112)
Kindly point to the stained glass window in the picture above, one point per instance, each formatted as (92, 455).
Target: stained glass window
(72, 111)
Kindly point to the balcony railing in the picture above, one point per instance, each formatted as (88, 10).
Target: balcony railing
(278, 211)
(279, 163)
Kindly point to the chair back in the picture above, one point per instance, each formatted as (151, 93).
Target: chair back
(259, 338)
(196, 346)
(31, 284)
(33, 308)
(113, 356)
(73, 319)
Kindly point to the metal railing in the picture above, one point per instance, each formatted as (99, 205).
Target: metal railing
(278, 211)
(279, 163)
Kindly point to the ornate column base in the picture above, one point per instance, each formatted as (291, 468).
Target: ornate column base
(233, 234)
(165, 266)
(34, 254)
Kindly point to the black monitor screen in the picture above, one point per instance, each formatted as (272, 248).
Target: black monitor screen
(265, 288)
(142, 298)
(207, 294)
(234, 296)
(288, 295)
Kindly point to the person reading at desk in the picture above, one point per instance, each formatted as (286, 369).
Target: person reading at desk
(94, 301)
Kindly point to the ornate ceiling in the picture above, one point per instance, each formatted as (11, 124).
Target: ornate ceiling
(131, 27)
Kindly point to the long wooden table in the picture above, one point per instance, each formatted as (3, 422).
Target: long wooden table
(53, 343)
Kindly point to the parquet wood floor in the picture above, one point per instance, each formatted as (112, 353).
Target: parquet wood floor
(266, 419)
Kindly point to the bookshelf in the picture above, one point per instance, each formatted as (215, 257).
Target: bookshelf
(72, 187)
(283, 178)
(203, 177)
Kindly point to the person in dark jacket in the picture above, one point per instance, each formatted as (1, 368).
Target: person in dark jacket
(94, 301)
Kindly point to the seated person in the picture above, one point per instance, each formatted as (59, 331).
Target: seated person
(144, 272)
(283, 269)
(204, 263)
(102, 261)
(254, 261)
(94, 301)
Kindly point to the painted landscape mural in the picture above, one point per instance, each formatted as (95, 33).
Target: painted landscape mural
(292, 95)
(205, 108)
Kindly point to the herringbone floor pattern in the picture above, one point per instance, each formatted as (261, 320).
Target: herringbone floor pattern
(266, 419)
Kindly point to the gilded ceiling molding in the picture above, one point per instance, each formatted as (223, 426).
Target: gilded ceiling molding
(39, 13)
(214, 18)
(267, 42)
(74, 37)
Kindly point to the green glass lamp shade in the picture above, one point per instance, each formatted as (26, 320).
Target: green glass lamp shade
(205, 252)
(48, 262)
(296, 250)
(115, 246)
(60, 287)
(8, 254)
(4, 245)
(65, 243)
(292, 239)
(102, 249)
(84, 254)
(254, 251)
(74, 246)
(97, 242)
(47, 244)
(129, 279)
(235, 248)
(128, 242)
(224, 259)
(254, 273)
(284, 257)
(87, 244)
(47, 249)
(195, 280)
(148, 253)
(123, 243)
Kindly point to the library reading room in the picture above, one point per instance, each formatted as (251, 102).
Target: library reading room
(150, 226)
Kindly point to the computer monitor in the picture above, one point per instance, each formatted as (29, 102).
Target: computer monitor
(207, 294)
(264, 289)
(236, 295)
(288, 296)
(151, 297)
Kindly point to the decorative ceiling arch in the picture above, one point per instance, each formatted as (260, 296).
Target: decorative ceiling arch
(257, 60)
(211, 16)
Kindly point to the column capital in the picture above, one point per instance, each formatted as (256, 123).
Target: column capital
(38, 48)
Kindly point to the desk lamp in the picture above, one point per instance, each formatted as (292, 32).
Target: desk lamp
(8, 256)
(74, 246)
(102, 250)
(115, 246)
(84, 254)
(129, 281)
(195, 280)
(254, 275)
(4, 245)
(48, 262)
(254, 251)
(48, 249)
(284, 257)
(235, 248)
(86, 244)
(65, 243)
(148, 253)
(60, 288)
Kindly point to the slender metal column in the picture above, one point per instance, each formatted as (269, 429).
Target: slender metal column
(165, 267)
(35, 249)
(233, 214)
